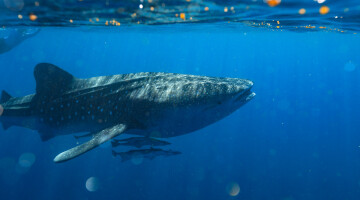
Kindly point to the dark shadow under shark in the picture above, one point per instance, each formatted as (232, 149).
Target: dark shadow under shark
(146, 104)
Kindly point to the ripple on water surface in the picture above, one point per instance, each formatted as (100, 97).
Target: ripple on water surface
(294, 15)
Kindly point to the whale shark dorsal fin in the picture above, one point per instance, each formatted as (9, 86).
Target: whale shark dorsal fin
(98, 139)
(5, 96)
(51, 79)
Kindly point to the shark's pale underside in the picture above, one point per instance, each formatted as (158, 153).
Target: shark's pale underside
(146, 104)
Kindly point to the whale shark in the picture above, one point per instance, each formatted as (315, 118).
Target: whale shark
(149, 104)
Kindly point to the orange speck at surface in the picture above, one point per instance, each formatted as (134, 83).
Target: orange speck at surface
(106, 23)
(302, 11)
(324, 10)
(190, 18)
(206, 8)
(150, 1)
(226, 9)
(277, 22)
(32, 17)
(117, 23)
(182, 16)
(176, 15)
(20, 16)
(97, 19)
(71, 21)
(322, 27)
(37, 3)
(152, 8)
(273, 3)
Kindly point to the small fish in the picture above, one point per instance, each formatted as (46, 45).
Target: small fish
(139, 142)
(144, 153)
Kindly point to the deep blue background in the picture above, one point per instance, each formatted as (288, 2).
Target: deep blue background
(298, 139)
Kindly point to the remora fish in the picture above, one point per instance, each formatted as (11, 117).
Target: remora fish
(144, 153)
(139, 142)
(107, 106)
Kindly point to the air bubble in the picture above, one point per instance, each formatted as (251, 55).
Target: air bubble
(137, 159)
(233, 189)
(92, 184)
(27, 160)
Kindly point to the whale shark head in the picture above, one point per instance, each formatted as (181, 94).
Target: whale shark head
(197, 101)
(221, 96)
(232, 92)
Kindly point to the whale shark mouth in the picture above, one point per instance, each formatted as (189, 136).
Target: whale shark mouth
(245, 96)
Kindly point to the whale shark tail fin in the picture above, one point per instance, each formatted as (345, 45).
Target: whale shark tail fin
(5, 97)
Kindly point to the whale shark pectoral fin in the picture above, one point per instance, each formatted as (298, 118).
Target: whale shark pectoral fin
(98, 139)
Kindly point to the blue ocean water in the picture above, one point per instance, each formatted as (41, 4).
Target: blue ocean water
(298, 139)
